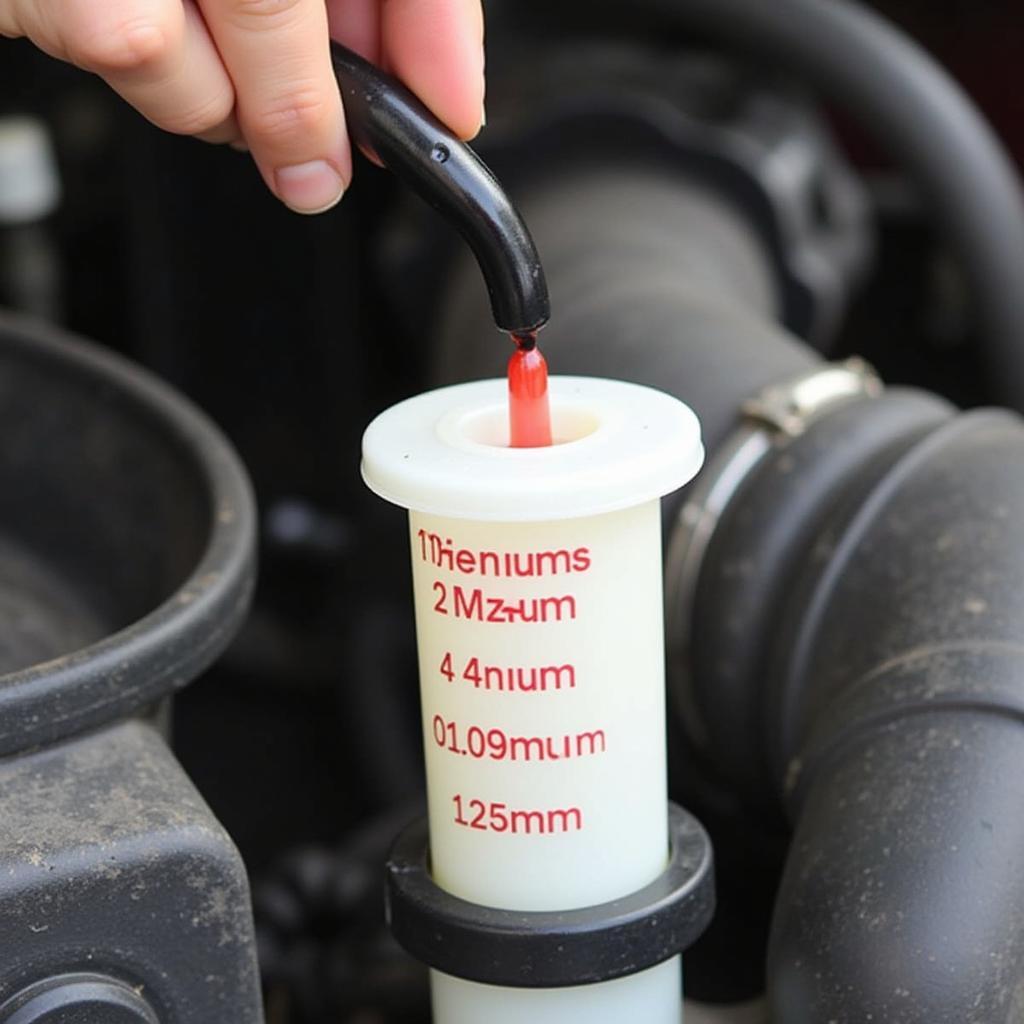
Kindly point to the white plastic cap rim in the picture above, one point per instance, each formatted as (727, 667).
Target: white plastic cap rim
(446, 452)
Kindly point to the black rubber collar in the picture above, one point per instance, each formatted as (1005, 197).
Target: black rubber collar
(553, 949)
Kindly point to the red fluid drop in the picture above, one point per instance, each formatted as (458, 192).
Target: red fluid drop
(529, 416)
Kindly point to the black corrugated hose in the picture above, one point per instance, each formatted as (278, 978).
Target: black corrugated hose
(924, 121)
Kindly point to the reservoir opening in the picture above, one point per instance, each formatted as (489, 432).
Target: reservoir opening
(490, 426)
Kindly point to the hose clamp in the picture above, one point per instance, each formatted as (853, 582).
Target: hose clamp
(770, 420)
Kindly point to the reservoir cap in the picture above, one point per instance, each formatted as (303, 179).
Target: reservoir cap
(447, 452)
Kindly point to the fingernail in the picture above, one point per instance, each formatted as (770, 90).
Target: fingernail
(309, 188)
(483, 115)
(239, 147)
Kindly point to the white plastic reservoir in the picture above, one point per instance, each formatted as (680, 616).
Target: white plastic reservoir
(538, 595)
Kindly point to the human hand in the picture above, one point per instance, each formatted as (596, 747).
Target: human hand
(258, 72)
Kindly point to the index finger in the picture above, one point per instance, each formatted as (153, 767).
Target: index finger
(287, 100)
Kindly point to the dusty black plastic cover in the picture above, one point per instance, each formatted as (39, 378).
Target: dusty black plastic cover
(127, 537)
(112, 865)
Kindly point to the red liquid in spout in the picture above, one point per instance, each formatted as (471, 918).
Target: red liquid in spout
(529, 416)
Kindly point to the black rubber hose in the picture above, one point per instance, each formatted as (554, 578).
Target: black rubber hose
(922, 119)
(774, 524)
(391, 122)
(898, 727)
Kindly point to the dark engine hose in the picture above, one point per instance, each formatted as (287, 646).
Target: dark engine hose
(899, 731)
(922, 119)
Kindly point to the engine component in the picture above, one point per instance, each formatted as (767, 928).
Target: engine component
(113, 868)
(128, 563)
(922, 117)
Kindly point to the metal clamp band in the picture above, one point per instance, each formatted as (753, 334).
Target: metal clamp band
(770, 420)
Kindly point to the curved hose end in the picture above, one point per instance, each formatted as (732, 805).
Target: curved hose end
(384, 117)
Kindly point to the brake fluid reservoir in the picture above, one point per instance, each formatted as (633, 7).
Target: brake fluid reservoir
(538, 598)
